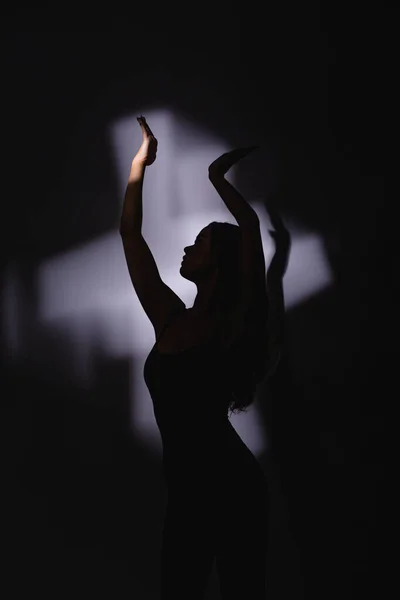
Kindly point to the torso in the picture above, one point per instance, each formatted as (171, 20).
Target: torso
(186, 331)
(218, 454)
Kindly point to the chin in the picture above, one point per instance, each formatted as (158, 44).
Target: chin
(185, 273)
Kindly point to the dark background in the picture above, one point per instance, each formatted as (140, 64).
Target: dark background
(83, 500)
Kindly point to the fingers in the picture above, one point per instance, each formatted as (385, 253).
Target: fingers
(275, 218)
(241, 152)
(238, 153)
(250, 149)
(280, 237)
(143, 124)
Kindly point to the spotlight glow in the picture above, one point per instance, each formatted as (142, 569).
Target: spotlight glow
(88, 290)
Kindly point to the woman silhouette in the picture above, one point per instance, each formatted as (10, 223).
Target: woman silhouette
(208, 361)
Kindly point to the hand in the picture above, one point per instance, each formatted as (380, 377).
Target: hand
(282, 240)
(221, 165)
(279, 234)
(148, 150)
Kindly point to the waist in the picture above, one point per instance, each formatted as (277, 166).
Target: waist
(217, 475)
(217, 447)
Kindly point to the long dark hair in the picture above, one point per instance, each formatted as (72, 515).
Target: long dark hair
(249, 355)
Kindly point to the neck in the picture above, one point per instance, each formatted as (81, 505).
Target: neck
(205, 294)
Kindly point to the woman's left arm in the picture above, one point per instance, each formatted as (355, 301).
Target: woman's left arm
(233, 200)
(252, 262)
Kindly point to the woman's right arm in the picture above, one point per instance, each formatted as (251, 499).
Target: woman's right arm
(157, 299)
(132, 210)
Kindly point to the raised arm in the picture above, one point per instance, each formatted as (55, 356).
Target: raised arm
(252, 263)
(132, 211)
(157, 299)
(234, 201)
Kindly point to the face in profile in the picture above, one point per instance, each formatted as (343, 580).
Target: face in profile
(197, 262)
